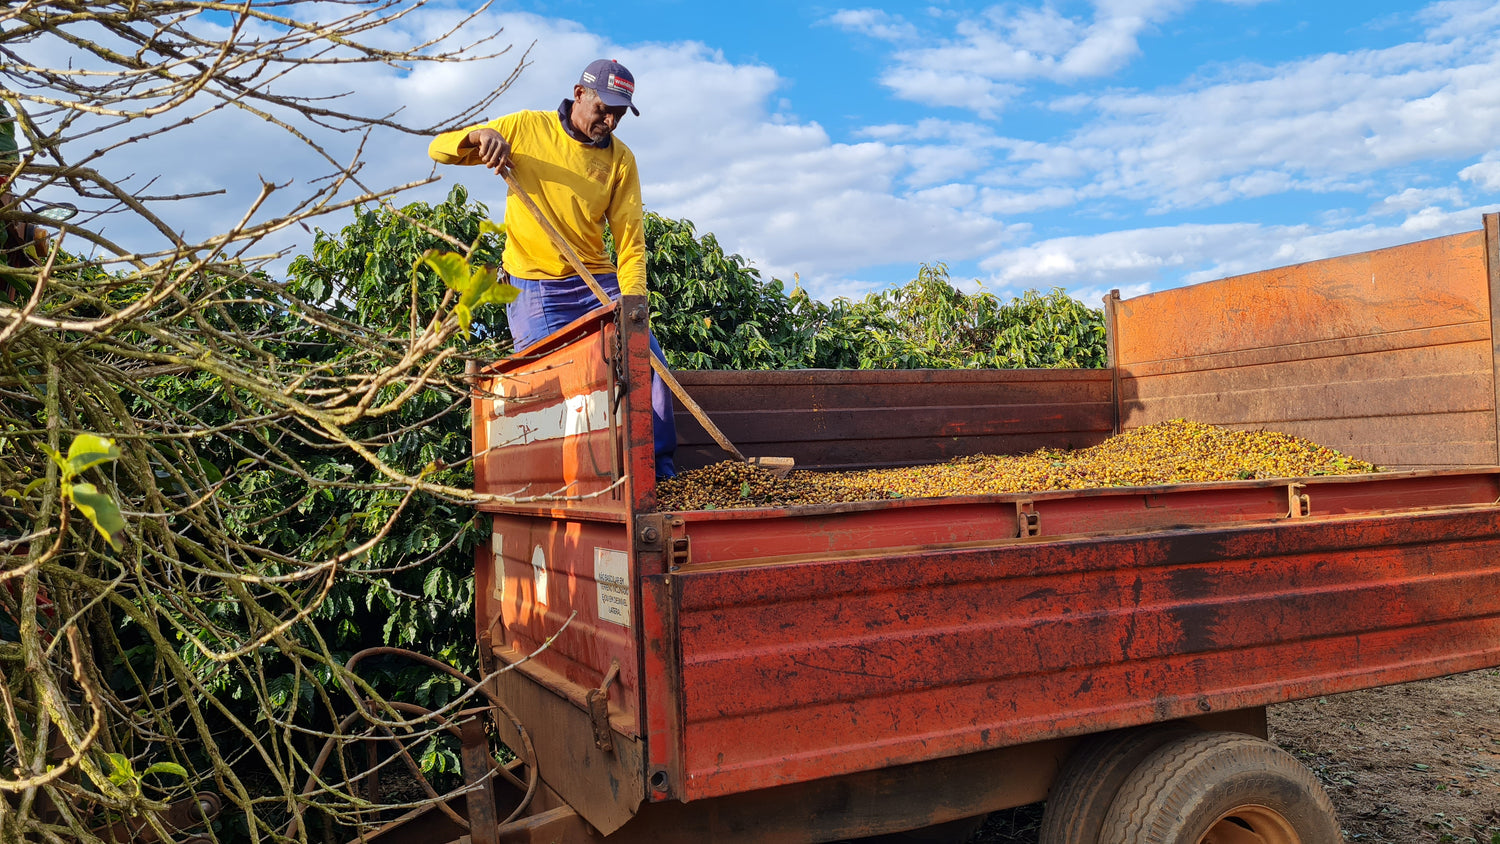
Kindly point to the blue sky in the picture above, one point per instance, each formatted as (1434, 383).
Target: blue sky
(1131, 144)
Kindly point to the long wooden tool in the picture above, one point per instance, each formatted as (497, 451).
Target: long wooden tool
(777, 465)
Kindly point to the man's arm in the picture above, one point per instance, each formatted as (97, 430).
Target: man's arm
(478, 145)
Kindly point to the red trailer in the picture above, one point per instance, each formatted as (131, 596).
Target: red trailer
(824, 672)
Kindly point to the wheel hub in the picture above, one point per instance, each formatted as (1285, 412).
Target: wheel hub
(1251, 824)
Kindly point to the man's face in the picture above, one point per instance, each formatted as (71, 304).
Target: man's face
(592, 117)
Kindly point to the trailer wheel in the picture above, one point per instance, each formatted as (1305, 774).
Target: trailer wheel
(1221, 788)
(1085, 787)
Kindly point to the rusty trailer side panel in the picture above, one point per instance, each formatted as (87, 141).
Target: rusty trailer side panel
(810, 667)
(562, 441)
(546, 424)
(1386, 354)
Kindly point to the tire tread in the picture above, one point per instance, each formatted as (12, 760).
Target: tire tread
(1164, 783)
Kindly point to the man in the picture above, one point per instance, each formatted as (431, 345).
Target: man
(571, 165)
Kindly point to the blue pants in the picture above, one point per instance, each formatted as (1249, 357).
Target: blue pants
(546, 306)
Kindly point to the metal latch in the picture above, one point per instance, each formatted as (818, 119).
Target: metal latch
(677, 555)
(1299, 504)
(598, 703)
(1028, 520)
(660, 535)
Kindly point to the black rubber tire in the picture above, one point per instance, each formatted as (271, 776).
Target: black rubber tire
(1180, 791)
(1085, 787)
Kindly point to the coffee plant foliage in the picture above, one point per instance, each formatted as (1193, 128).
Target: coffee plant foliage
(414, 589)
(713, 311)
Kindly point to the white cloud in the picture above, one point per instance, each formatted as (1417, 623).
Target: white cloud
(1417, 199)
(719, 144)
(1461, 18)
(1158, 258)
(1317, 125)
(1485, 174)
(875, 23)
(979, 65)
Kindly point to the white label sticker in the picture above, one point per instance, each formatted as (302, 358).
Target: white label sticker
(572, 417)
(612, 574)
(497, 581)
(539, 574)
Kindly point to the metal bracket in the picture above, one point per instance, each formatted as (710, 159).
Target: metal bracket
(651, 532)
(1028, 520)
(598, 704)
(617, 380)
(1299, 505)
(662, 535)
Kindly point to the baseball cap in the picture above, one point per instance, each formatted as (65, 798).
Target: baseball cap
(612, 81)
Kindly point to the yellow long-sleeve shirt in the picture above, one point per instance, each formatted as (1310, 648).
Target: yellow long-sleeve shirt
(578, 187)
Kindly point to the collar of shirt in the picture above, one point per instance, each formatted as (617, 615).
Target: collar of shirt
(565, 116)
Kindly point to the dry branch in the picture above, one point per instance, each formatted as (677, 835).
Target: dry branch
(216, 384)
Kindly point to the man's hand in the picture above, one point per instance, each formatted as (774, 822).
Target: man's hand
(494, 150)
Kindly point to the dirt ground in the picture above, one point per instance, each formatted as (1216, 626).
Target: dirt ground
(1403, 764)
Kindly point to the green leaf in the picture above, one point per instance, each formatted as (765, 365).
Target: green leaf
(99, 509)
(475, 286)
(120, 769)
(450, 267)
(166, 768)
(89, 450)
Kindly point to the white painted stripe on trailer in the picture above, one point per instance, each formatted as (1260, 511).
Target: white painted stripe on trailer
(576, 415)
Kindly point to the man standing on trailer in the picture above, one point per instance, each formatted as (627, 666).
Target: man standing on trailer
(580, 176)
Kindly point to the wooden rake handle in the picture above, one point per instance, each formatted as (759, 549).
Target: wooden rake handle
(656, 365)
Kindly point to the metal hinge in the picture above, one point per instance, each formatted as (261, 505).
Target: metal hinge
(598, 703)
(1299, 504)
(1028, 520)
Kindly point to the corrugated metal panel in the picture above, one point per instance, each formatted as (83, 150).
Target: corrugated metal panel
(814, 668)
(1386, 355)
(546, 424)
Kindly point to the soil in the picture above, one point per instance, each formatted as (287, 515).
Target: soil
(1405, 764)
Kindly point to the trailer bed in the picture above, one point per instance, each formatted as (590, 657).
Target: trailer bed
(721, 657)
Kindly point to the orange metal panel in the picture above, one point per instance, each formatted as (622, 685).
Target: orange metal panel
(1387, 354)
(767, 536)
(542, 575)
(812, 669)
(1403, 288)
(561, 435)
(546, 425)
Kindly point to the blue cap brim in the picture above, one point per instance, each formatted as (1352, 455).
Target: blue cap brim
(611, 98)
